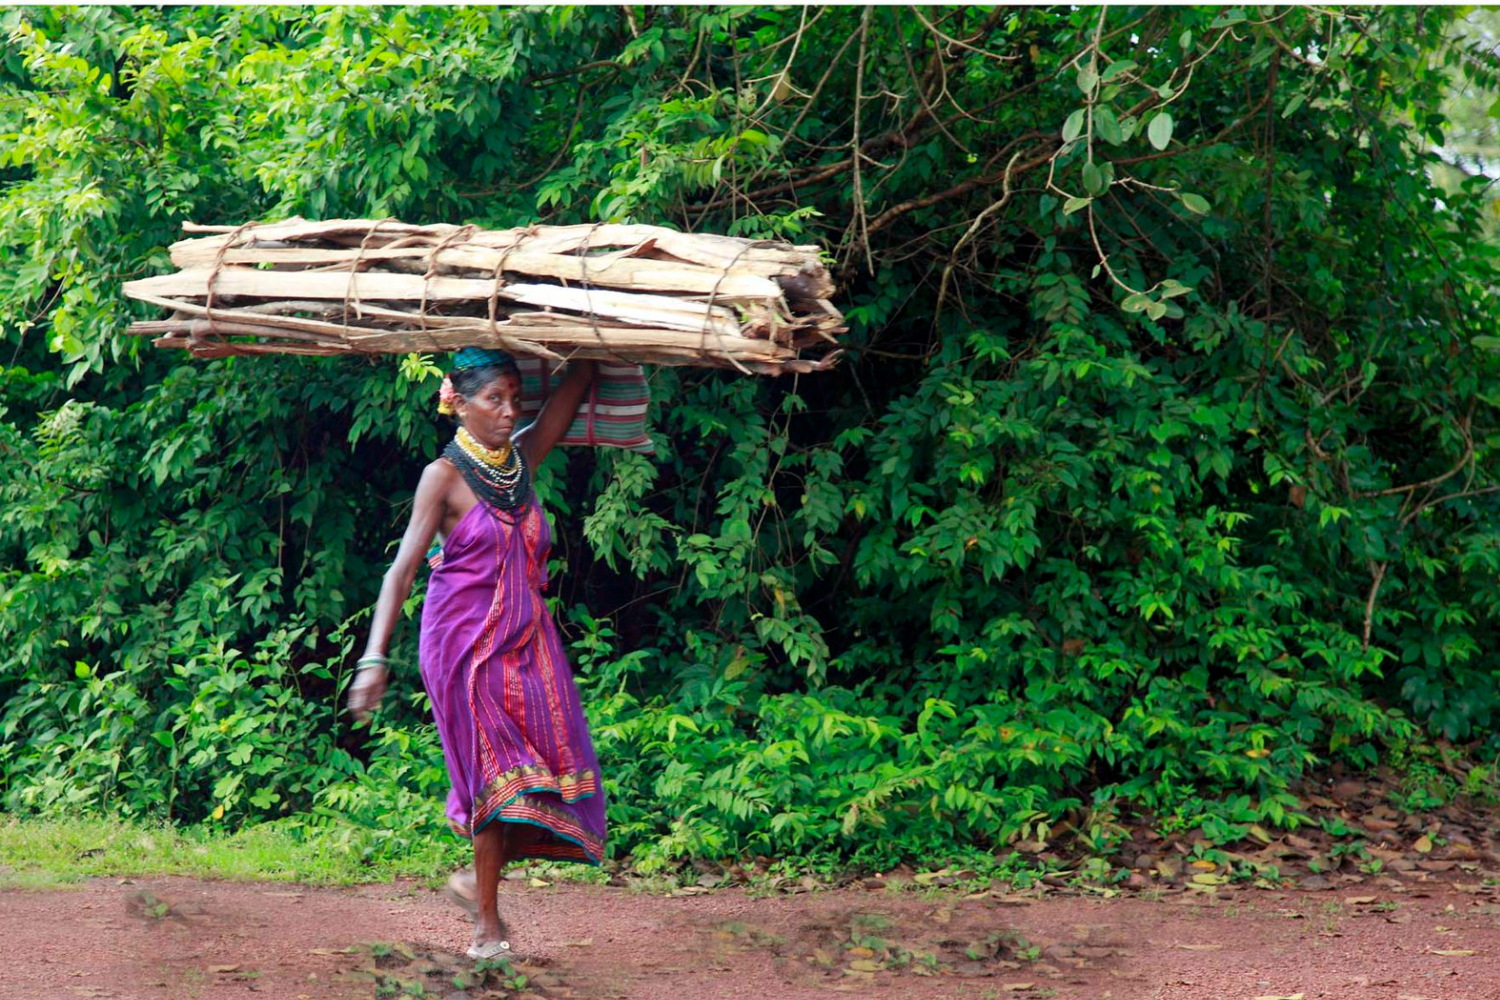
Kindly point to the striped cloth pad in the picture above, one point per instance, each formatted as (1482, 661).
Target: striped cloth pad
(612, 415)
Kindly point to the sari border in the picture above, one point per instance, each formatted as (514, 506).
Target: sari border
(590, 850)
(507, 786)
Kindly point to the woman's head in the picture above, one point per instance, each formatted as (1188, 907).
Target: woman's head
(484, 393)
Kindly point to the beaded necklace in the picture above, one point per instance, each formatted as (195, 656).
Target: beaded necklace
(498, 476)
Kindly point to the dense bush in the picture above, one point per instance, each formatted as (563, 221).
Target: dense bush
(1160, 467)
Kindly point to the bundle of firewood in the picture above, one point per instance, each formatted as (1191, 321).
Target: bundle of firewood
(642, 294)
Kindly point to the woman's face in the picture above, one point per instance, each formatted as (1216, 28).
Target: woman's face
(491, 413)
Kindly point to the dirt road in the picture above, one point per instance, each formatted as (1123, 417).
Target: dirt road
(177, 938)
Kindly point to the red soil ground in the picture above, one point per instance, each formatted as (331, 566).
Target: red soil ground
(1420, 935)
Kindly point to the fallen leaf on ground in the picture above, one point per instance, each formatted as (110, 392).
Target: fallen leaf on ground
(1359, 900)
(860, 952)
(1203, 878)
(1451, 952)
(1204, 866)
(537, 883)
(1200, 947)
(865, 965)
(1282, 996)
(1017, 987)
(583, 943)
(223, 968)
(1423, 845)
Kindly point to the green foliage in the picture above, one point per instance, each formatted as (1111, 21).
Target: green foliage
(1160, 468)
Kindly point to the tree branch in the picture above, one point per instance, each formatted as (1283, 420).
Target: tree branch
(893, 213)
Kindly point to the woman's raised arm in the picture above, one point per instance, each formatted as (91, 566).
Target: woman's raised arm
(538, 438)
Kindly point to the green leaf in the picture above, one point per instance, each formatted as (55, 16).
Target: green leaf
(1073, 126)
(1195, 203)
(1108, 125)
(1093, 179)
(1160, 130)
(1087, 80)
(1116, 68)
(1074, 204)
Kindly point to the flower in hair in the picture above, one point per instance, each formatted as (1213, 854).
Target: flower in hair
(447, 398)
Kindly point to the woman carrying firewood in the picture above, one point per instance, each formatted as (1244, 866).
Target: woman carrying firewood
(525, 777)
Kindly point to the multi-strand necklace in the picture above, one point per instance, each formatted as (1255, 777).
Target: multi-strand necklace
(496, 475)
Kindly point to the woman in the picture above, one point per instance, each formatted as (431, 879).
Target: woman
(525, 778)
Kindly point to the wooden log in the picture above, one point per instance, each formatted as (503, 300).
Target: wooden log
(298, 228)
(332, 331)
(537, 339)
(219, 349)
(201, 328)
(766, 257)
(657, 356)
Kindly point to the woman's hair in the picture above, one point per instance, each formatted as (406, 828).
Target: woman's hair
(468, 381)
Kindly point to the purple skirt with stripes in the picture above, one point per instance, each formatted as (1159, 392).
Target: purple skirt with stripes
(512, 727)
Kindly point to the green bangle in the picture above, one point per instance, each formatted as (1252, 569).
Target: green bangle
(372, 660)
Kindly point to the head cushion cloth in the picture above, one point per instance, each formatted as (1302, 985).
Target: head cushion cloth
(482, 357)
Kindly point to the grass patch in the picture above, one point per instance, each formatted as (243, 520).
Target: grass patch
(40, 853)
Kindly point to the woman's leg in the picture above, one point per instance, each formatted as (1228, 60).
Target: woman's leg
(492, 851)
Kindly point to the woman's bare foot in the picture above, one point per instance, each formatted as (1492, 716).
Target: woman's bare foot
(490, 934)
(491, 939)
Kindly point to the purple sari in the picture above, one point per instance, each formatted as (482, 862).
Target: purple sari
(513, 730)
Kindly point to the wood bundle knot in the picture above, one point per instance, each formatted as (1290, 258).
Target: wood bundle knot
(643, 294)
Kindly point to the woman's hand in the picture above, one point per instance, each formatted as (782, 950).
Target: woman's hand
(368, 688)
(537, 438)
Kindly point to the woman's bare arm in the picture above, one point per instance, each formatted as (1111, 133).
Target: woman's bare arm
(538, 438)
(428, 508)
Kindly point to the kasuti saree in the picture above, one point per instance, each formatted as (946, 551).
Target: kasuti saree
(512, 727)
